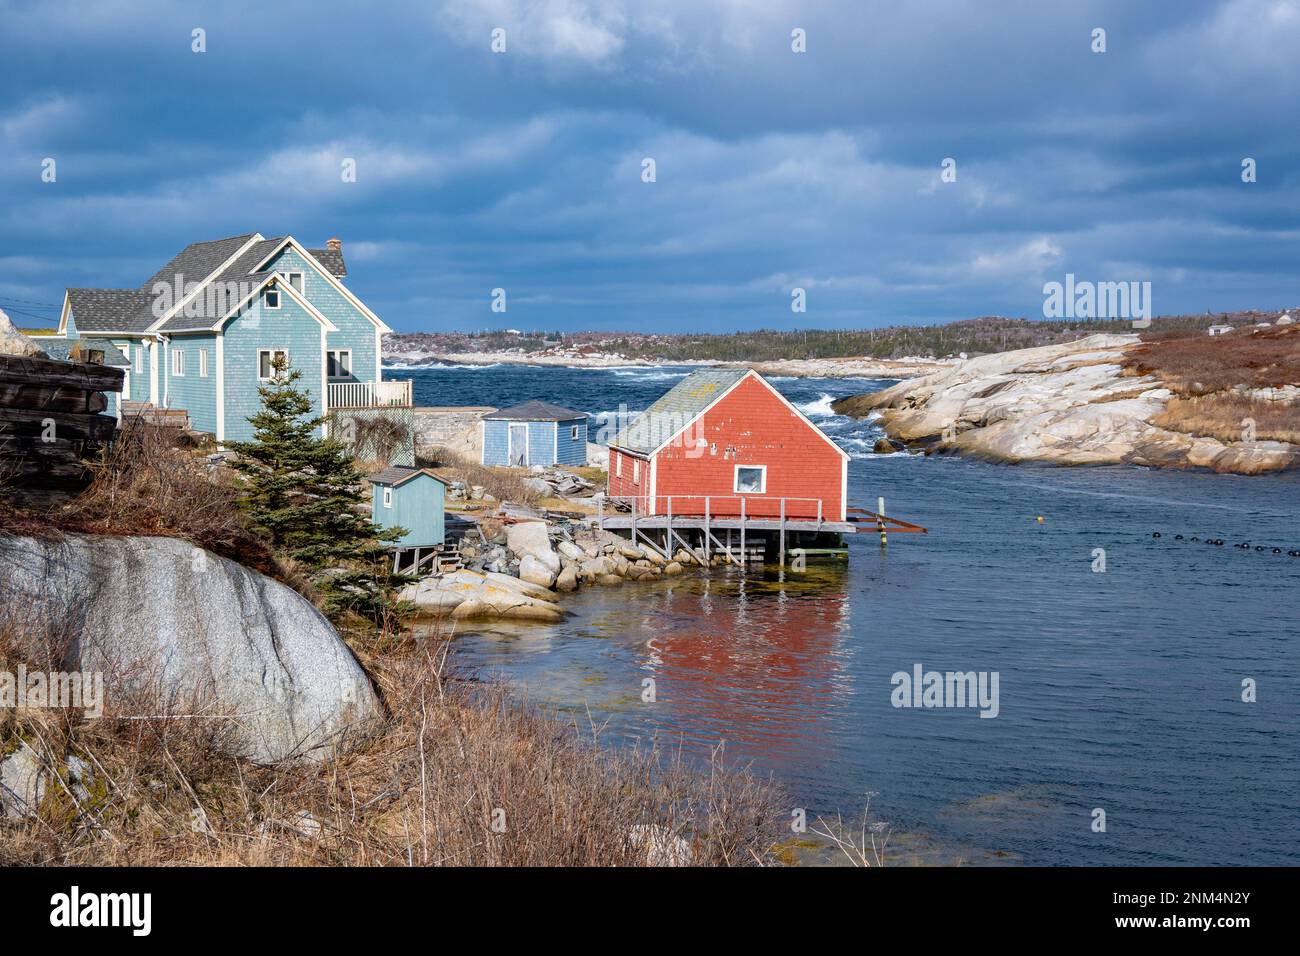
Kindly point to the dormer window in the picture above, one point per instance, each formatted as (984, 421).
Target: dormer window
(272, 298)
(294, 279)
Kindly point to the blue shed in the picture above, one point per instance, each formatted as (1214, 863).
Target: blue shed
(535, 433)
(410, 498)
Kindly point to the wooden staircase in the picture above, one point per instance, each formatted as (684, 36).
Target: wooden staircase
(150, 415)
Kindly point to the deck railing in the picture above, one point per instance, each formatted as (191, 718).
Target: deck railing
(719, 506)
(369, 394)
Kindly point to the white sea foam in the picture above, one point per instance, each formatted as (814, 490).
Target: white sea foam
(820, 408)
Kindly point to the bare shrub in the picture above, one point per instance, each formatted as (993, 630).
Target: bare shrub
(147, 485)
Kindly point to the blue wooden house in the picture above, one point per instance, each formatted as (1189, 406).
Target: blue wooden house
(535, 433)
(201, 335)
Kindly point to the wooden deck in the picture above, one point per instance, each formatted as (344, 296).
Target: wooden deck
(697, 530)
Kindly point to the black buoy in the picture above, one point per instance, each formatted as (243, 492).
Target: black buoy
(1259, 547)
(1218, 542)
(1178, 537)
(1155, 534)
(1294, 554)
(1277, 550)
(1194, 538)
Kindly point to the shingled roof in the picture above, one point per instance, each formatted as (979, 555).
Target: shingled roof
(131, 310)
(111, 310)
(331, 259)
(198, 260)
(536, 411)
(399, 474)
(676, 408)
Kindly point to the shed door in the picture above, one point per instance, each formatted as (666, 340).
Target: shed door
(518, 445)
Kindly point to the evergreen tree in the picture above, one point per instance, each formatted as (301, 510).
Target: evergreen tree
(305, 493)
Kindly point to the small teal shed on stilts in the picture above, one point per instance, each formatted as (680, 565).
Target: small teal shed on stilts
(535, 433)
(413, 499)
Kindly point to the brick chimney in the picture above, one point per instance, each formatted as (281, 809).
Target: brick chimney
(334, 244)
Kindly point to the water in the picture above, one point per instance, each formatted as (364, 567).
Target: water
(1118, 690)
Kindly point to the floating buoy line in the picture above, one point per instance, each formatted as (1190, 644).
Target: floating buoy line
(1243, 545)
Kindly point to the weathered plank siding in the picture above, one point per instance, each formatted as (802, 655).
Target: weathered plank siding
(549, 443)
(290, 327)
(751, 426)
(193, 392)
(355, 331)
(418, 506)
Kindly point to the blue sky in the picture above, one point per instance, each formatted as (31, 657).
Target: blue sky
(522, 170)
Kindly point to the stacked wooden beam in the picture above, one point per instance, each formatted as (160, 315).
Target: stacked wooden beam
(50, 419)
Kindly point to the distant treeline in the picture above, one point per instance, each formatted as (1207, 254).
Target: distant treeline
(972, 336)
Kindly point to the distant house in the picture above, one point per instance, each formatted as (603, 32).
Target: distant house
(201, 335)
(1219, 329)
(535, 433)
(728, 436)
(410, 498)
(1285, 319)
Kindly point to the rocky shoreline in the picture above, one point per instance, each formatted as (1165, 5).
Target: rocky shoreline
(519, 568)
(1079, 403)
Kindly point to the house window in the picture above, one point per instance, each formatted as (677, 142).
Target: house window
(178, 363)
(618, 466)
(636, 471)
(388, 497)
(272, 298)
(573, 434)
(294, 279)
(339, 362)
(139, 359)
(203, 363)
(751, 479)
(266, 360)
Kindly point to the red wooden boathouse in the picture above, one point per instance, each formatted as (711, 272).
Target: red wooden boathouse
(725, 442)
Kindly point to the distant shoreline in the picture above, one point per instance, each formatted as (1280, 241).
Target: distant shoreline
(853, 367)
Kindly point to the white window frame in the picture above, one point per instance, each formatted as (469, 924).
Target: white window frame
(266, 299)
(762, 484)
(178, 362)
(139, 360)
(271, 378)
(346, 375)
(636, 471)
(573, 433)
(618, 465)
(388, 496)
(301, 287)
(203, 363)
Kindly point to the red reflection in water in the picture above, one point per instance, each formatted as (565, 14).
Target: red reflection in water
(756, 663)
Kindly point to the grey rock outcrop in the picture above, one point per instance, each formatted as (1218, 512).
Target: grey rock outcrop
(13, 342)
(182, 629)
(1068, 404)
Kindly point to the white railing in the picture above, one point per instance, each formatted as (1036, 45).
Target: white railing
(369, 394)
(744, 507)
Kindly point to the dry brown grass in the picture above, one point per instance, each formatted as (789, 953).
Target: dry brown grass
(504, 484)
(452, 757)
(1225, 416)
(1198, 364)
(148, 484)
